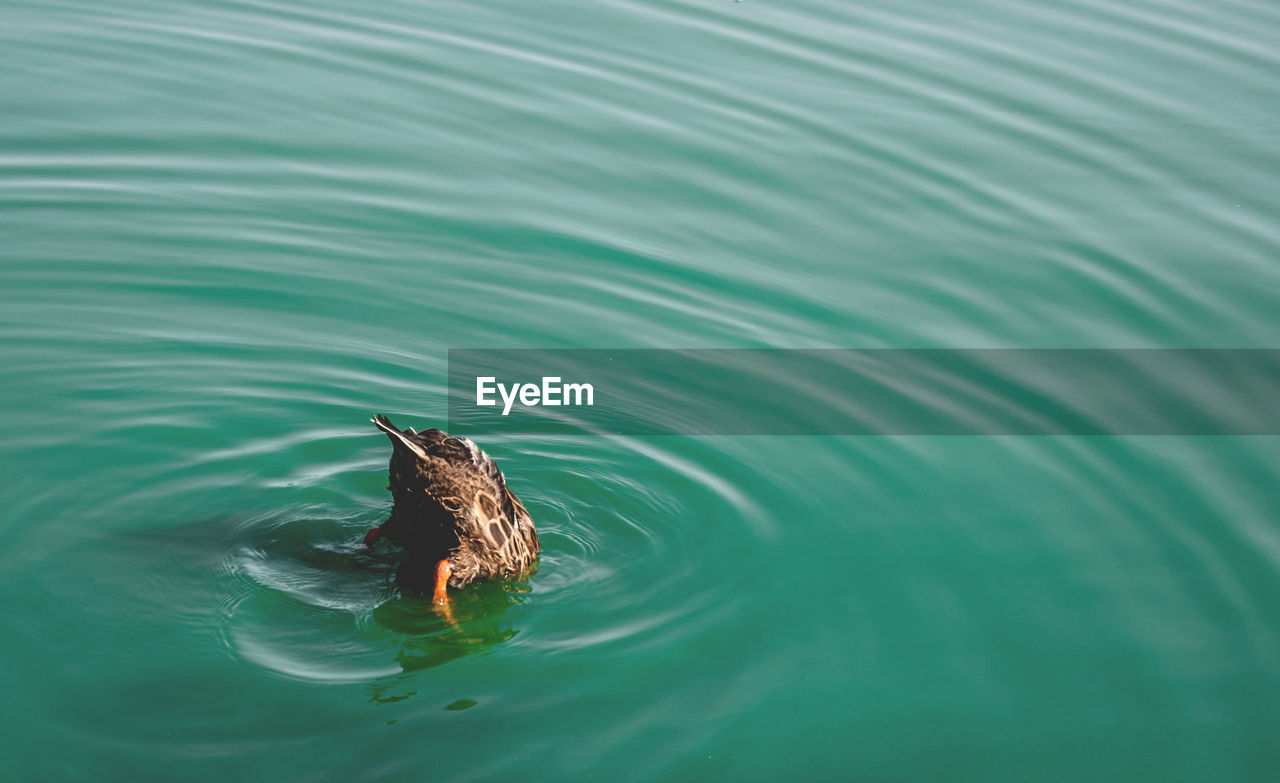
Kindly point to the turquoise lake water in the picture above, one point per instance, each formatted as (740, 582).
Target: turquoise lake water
(232, 230)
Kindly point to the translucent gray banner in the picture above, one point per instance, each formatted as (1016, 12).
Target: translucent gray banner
(865, 392)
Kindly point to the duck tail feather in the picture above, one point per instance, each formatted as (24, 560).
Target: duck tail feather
(398, 438)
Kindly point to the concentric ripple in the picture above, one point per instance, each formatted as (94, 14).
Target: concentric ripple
(621, 547)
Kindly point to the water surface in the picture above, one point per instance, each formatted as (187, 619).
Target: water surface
(234, 229)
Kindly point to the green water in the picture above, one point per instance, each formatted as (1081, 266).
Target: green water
(230, 230)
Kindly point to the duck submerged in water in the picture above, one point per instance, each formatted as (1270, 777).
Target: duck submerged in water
(453, 512)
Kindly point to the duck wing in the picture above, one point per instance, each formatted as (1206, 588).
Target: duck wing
(497, 539)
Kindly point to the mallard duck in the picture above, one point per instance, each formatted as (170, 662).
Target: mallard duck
(453, 511)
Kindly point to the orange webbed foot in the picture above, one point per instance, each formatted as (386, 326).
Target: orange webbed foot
(441, 596)
(443, 572)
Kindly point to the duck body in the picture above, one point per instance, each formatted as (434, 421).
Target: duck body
(453, 511)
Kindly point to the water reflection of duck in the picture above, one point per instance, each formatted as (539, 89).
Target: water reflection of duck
(453, 512)
(427, 641)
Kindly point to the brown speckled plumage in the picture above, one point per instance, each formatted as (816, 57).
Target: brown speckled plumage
(451, 502)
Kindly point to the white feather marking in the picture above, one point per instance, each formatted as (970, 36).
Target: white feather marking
(475, 452)
(400, 436)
